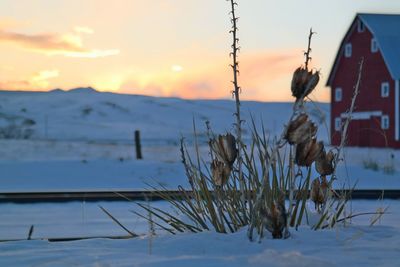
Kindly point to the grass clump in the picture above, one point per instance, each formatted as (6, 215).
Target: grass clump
(370, 164)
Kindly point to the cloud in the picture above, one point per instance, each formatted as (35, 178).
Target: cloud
(264, 76)
(176, 68)
(10, 23)
(68, 45)
(81, 29)
(95, 53)
(37, 81)
(133, 87)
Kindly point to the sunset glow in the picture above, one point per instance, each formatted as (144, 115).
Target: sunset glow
(169, 48)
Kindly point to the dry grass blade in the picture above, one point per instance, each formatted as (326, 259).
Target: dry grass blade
(118, 222)
(30, 232)
(159, 225)
(172, 219)
(304, 197)
(379, 213)
(376, 213)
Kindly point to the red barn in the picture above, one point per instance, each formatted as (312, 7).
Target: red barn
(376, 120)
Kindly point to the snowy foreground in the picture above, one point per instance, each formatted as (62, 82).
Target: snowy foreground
(357, 244)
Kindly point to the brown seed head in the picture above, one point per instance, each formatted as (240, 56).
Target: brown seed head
(225, 149)
(319, 191)
(300, 130)
(313, 79)
(275, 219)
(303, 82)
(220, 172)
(314, 192)
(298, 80)
(330, 155)
(307, 153)
(324, 163)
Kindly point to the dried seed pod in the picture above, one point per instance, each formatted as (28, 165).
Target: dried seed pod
(299, 81)
(225, 149)
(311, 83)
(300, 130)
(303, 82)
(324, 163)
(275, 219)
(306, 153)
(318, 192)
(330, 156)
(220, 172)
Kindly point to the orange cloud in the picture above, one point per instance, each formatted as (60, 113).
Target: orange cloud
(69, 45)
(9, 23)
(37, 81)
(264, 76)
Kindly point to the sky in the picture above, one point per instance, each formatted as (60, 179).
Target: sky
(177, 48)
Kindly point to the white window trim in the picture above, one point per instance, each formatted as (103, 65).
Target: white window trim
(362, 115)
(374, 45)
(338, 124)
(348, 50)
(385, 123)
(384, 92)
(338, 94)
(360, 26)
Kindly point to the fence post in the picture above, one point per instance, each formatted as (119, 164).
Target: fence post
(138, 145)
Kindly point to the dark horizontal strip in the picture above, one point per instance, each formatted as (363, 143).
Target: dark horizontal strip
(151, 195)
(66, 239)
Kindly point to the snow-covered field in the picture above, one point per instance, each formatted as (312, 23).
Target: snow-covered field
(83, 140)
(84, 114)
(357, 244)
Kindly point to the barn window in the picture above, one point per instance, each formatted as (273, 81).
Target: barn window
(338, 94)
(374, 45)
(385, 122)
(338, 124)
(360, 26)
(385, 89)
(347, 50)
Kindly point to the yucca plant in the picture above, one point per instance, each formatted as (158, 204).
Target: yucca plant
(248, 185)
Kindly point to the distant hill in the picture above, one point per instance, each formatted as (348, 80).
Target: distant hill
(75, 90)
(86, 114)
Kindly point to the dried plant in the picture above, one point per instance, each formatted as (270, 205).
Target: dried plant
(224, 147)
(318, 192)
(308, 152)
(247, 185)
(220, 172)
(300, 130)
(324, 163)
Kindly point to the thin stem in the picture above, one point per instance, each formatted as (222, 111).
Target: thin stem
(357, 215)
(291, 182)
(308, 52)
(350, 112)
(236, 92)
(344, 130)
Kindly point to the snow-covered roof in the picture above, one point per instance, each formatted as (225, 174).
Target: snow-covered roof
(386, 30)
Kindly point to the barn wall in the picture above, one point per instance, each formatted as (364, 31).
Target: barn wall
(366, 132)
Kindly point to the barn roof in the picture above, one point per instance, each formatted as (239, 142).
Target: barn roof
(386, 30)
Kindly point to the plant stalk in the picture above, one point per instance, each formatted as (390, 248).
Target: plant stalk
(236, 93)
